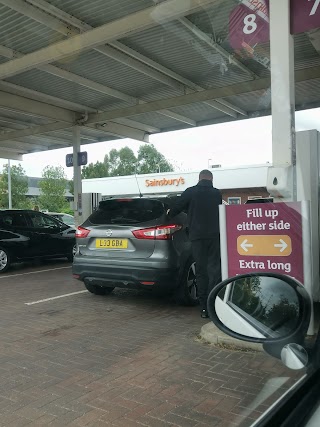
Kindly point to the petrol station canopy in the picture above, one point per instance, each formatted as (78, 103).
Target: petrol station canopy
(124, 68)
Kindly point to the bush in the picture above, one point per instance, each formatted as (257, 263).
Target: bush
(68, 211)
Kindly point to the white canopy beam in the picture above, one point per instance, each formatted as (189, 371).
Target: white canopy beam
(224, 53)
(121, 130)
(191, 86)
(115, 130)
(43, 141)
(109, 51)
(43, 97)
(236, 89)
(19, 103)
(75, 78)
(32, 12)
(48, 140)
(68, 136)
(7, 52)
(58, 25)
(116, 55)
(178, 117)
(67, 75)
(58, 13)
(10, 125)
(13, 124)
(137, 125)
(34, 130)
(95, 86)
(123, 27)
(121, 53)
(110, 128)
(25, 146)
(15, 102)
(52, 100)
(231, 90)
(9, 154)
(27, 114)
(13, 150)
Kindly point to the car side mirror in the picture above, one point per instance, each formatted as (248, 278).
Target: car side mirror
(270, 309)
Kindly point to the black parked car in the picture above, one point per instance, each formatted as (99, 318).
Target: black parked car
(130, 243)
(27, 235)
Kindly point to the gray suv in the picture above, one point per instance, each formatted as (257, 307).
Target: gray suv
(130, 243)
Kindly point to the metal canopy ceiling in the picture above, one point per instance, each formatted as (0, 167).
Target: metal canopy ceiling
(123, 68)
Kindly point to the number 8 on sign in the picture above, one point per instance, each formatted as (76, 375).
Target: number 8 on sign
(247, 28)
(250, 25)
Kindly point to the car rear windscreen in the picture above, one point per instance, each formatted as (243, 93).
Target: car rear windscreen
(127, 211)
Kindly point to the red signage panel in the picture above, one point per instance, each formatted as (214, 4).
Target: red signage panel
(305, 15)
(247, 27)
(265, 238)
(249, 22)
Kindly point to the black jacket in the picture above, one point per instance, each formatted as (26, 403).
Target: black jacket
(202, 205)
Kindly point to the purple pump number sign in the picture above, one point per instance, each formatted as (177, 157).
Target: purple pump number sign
(249, 21)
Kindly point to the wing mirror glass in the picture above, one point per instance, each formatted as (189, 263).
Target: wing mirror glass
(261, 308)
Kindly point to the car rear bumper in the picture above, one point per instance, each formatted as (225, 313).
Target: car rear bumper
(140, 274)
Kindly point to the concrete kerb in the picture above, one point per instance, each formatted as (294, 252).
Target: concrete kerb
(211, 334)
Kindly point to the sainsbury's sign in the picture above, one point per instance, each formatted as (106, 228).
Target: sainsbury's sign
(165, 182)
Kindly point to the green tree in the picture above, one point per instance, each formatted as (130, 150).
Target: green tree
(95, 170)
(283, 315)
(32, 202)
(121, 162)
(150, 160)
(124, 162)
(52, 189)
(68, 210)
(19, 188)
(247, 295)
(71, 186)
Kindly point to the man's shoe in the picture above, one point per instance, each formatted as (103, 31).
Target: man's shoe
(204, 314)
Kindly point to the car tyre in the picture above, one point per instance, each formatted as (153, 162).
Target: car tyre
(99, 290)
(5, 260)
(187, 290)
(72, 254)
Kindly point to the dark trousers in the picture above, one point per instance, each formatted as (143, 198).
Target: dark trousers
(206, 253)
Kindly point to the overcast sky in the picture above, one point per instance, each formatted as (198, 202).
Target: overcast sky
(240, 143)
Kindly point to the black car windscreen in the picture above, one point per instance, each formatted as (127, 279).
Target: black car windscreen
(127, 211)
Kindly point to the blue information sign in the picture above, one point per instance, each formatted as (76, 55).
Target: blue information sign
(82, 159)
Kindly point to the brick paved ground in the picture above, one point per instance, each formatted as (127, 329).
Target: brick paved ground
(124, 360)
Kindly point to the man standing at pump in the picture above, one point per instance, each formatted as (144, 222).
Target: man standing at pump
(202, 205)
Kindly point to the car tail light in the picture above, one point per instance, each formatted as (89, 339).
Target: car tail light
(163, 232)
(82, 232)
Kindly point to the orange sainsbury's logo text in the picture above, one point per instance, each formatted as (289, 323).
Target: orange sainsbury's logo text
(164, 182)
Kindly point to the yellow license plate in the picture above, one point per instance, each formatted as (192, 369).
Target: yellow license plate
(112, 243)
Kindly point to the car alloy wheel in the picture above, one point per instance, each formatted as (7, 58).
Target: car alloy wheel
(192, 281)
(3, 260)
(74, 250)
(186, 293)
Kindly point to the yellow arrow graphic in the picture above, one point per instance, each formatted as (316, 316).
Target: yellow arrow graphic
(264, 245)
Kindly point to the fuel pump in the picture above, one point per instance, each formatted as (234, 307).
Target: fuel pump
(90, 203)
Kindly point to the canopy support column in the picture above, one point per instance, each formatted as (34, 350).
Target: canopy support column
(77, 176)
